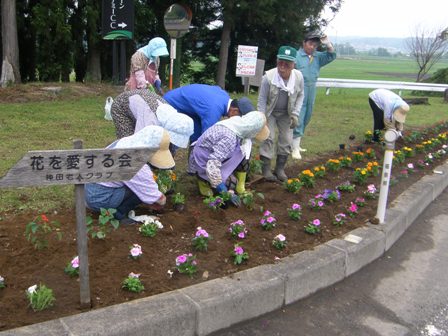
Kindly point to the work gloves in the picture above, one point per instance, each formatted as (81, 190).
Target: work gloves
(325, 40)
(294, 122)
(234, 199)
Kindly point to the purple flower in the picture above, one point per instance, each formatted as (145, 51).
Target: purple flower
(267, 213)
(270, 219)
(181, 259)
(241, 235)
(75, 262)
(320, 204)
(296, 206)
(371, 188)
(201, 232)
(238, 250)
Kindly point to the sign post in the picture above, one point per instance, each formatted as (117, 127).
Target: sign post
(177, 21)
(118, 25)
(246, 64)
(77, 167)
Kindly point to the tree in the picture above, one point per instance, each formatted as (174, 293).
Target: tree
(427, 47)
(10, 44)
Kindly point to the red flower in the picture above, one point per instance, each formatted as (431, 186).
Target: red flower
(44, 218)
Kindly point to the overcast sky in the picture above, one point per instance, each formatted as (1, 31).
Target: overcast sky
(388, 18)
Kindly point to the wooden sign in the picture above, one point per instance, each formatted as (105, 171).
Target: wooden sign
(76, 166)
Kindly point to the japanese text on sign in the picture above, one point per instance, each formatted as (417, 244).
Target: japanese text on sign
(246, 62)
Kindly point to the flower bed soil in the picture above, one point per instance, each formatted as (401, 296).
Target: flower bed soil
(23, 266)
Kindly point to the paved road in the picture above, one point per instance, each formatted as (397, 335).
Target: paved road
(403, 293)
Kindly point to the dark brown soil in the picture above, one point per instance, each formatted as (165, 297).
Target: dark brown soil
(22, 266)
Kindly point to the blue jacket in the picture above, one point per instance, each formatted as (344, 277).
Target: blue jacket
(205, 104)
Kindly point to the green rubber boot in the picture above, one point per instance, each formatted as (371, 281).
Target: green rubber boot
(204, 188)
(240, 186)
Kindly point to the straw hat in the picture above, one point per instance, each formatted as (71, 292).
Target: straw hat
(154, 137)
(400, 113)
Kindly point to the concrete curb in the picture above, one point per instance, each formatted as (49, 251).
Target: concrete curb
(220, 303)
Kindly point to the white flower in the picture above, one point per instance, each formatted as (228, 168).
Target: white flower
(134, 275)
(32, 289)
(2, 279)
(170, 273)
(280, 237)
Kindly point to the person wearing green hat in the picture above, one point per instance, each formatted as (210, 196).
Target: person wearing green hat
(280, 98)
(309, 61)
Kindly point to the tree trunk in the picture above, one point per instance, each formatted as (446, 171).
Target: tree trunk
(10, 41)
(93, 64)
(223, 54)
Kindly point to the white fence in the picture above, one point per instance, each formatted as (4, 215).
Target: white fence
(378, 84)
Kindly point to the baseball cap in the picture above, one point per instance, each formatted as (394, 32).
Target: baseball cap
(287, 53)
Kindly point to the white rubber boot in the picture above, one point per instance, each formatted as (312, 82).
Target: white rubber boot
(296, 149)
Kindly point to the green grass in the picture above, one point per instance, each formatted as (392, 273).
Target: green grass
(376, 68)
(55, 124)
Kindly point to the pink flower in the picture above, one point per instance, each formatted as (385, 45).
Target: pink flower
(296, 206)
(410, 165)
(353, 207)
(371, 188)
(238, 222)
(316, 222)
(181, 259)
(241, 235)
(280, 237)
(320, 204)
(201, 232)
(136, 251)
(134, 275)
(238, 250)
(75, 262)
(267, 213)
(270, 219)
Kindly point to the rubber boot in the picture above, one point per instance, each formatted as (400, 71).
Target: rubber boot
(267, 173)
(280, 167)
(296, 149)
(240, 186)
(204, 188)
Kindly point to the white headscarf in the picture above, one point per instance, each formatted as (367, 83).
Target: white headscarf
(247, 126)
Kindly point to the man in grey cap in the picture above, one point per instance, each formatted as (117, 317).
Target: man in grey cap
(309, 61)
(280, 98)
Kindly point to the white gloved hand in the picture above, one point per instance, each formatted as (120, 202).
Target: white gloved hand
(325, 40)
(400, 134)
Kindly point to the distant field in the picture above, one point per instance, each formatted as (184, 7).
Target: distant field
(379, 68)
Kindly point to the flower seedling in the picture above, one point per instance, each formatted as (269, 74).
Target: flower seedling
(268, 220)
(256, 166)
(346, 161)
(248, 198)
(333, 165)
(238, 229)
(132, 283)
(371, 192)
(346, 187)
(339, 219)
(106, 220)
(307, 178)
(186, 263)
(408, 152)
(360, 175)
(165, 179)
(135, 251)
(319, 171)
(72, 267)
(200, 240)
(239, 255)
(39, 229)
(313, 227)
(150, 227)
(352, 210)
(293, 185)
(2, 282)
(40, 297)
(317, 203)
(295, 211)
(370, 153)
(357, 156)
(360, 201)
(279, 242)
(214, 202)
(331, 195)
(368, 137)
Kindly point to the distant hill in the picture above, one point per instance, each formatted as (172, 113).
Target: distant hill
(392, 44)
